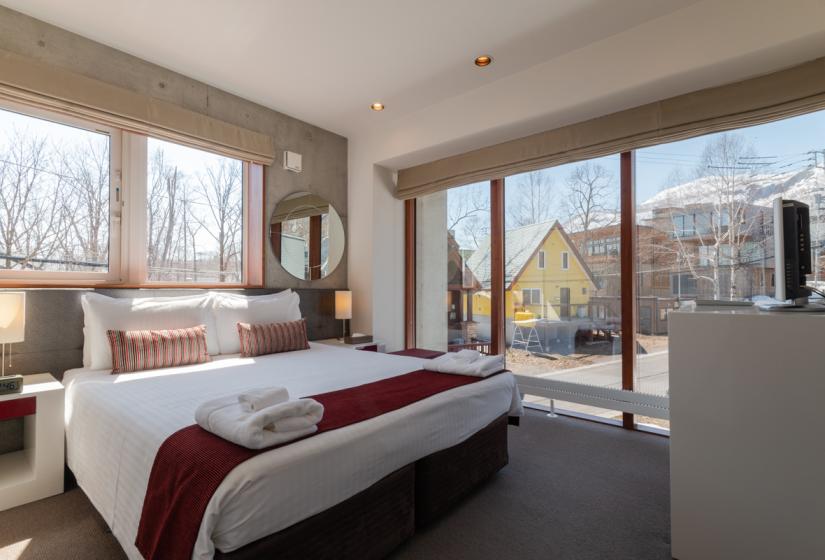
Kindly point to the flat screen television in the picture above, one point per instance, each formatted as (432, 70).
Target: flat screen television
(792, 249)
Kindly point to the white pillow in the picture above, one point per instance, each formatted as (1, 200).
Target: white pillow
(230, 309)
(104, 313)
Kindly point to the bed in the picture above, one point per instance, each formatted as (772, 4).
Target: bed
(116, 423)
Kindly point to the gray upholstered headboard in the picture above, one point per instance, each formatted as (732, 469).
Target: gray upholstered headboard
(54, 324)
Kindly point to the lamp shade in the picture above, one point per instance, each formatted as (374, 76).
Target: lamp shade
(12, 317)
(343, 304)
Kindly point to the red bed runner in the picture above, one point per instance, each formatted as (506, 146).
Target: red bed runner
(192, 463)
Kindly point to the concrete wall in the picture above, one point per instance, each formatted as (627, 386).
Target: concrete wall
(325, 154)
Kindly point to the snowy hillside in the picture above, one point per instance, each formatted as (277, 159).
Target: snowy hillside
(759, 189)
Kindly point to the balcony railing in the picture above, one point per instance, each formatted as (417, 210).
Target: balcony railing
(483, 347)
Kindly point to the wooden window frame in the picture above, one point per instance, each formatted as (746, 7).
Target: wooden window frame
(627, 259)
(542, 260)
(127, 233)
(565, 260)
(627, 256)
(24, 278)
(409, 273)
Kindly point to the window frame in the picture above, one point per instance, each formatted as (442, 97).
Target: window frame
(128, 174)
(685, 222)
(245, 216)
(541, 263)
(565, 260)
(113, 274)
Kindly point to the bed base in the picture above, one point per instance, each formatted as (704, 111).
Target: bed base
(374, 522)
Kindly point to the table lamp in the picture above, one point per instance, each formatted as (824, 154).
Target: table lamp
(12, 329)
(343, 308)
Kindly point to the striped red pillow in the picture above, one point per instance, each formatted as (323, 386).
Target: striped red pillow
(140, 350)
(272, 338)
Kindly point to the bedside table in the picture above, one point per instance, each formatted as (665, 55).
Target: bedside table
(374, 346)
(36, 471)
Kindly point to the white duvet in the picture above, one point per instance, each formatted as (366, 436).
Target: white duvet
(116, 423)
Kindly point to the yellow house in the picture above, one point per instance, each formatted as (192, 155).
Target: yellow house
(544, 274)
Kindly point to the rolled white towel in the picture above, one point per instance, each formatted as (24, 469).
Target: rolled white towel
(445, 360)
(482, 367)
(273, 425)
(258, 399)
(289, 416)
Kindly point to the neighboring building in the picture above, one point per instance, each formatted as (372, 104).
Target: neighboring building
(461, 285)
(544, 274)
(700, 254)
(678, 258)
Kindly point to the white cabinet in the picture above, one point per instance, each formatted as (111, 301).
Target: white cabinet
(747, 451)
(36, 471)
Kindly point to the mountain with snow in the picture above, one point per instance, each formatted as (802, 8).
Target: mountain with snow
(757, 189)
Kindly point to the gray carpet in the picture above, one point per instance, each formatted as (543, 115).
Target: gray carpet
(574, 490)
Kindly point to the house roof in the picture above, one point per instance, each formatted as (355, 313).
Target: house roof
(520, 244)
(466, 280)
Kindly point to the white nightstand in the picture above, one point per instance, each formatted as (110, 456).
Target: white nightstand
(374, 346)
(36, 471)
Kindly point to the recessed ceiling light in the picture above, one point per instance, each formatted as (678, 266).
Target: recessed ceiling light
(483, 60)
(377, 106)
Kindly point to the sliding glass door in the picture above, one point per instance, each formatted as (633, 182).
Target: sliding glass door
(452, 300)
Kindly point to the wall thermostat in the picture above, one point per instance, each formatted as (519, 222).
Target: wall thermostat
(292, 161)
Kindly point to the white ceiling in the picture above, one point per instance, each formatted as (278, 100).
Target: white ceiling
(326, 61)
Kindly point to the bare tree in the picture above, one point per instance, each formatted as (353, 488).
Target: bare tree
(163, 212)
(531, 199)
(87, 184)
(30, 202)
(220, 187)
(587, 204)
(468, 210)
(712, 234)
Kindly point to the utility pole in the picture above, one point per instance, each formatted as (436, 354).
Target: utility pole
(818, 201)
(817, 237)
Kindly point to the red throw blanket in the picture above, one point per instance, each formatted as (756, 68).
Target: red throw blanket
(192, 463)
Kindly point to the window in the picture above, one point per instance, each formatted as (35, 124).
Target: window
(541, 260)
(531, 296)
(453, 280)
(728, 182)
(683, 225)
(703, 229)
(569, 309)
(57, 195)
(179, 215)
(194, 215)
(683, 285)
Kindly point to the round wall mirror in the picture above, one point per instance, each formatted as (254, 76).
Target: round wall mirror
(307, 236)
